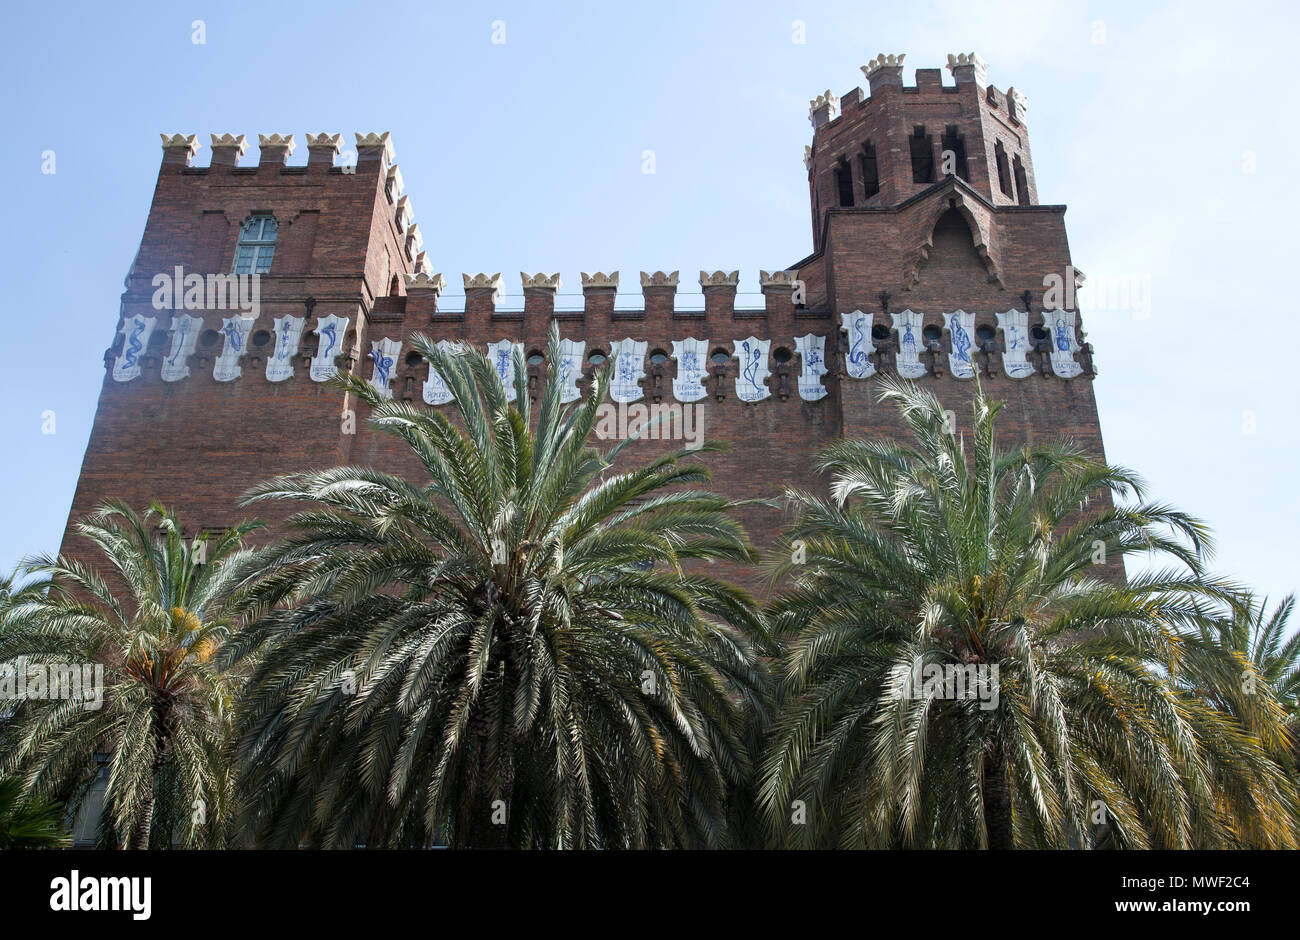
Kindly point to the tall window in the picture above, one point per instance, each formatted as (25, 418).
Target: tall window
(844, 183)
(1004, 170)
(256, 245)
(955, 142)
(870, 174)
(922, 156)
(1022, 182)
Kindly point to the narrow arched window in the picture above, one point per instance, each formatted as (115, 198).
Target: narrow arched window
(870, 171)
(1022, 181)
(256, 245)
(844, 183)
(1004, 171)
(922, 155)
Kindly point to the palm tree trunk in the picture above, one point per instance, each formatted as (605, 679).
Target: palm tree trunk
(144, 827)
(997, 802)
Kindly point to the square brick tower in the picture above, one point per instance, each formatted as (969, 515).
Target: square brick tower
(252, 285)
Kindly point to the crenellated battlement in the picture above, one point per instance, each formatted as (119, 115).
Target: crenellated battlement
(259, 279)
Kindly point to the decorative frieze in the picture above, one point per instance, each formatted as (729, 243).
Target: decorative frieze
(136, 332)
(908, 325)
(288, 336)
(961, 331)
(812, 353)
(235, 329)
(752, 356)
(629, 370)
(692, 356)
(1060, 326)
(331, 331)
(384, 353)
(502, 356)
(570, 368)
(856, 327)
(185, 336)
(436, 389)
(1015, 335)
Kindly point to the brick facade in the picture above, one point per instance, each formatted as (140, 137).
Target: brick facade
(345, 246)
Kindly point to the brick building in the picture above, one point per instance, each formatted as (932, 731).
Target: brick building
(930, 256)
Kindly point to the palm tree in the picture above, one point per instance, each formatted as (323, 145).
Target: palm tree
(165, 711)
(968, 668)
(508, 652)
(26, 823)
(1246, 666)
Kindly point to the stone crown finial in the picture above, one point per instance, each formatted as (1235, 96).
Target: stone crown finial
(823, 109)
(540, 281)
(413, 236)
(423, 280)
(275, 140)
(383, 140)
(422, 263)
(239, 143)
(807, 157)
(882, 61)
(777, 278)
(966, 58)
(480, 281)
(659, 279)
(719, 279)
(1019, 103)
(188, 141)
(326, 140)
(404, 213)
(599, 279)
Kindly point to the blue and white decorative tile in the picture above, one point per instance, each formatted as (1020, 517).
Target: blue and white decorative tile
(384, 353)
(961, 330)
(185, 334)
(1060, 323)
(629, 370)
(571, 353)
(288, 334)
(812, 352)
(1015, 339)
(331, 330)
(857, 329)
(908, 325)
(752, 355)
(235, 330)
(692, 356)
(502, 357)
(135, 332)
(436, 389)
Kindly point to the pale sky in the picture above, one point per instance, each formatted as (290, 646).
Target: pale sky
(1167, 129)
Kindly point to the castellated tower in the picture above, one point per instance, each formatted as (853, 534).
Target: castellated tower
(930, 258)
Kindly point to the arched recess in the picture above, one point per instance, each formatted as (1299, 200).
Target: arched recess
(952, 208)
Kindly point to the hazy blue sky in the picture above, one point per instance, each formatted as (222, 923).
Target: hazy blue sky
(1168, 129)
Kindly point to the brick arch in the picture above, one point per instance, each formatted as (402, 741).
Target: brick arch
(954, 201)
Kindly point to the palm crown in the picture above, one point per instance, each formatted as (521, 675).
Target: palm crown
(154, 624)
(509, 652)
(929, 561)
